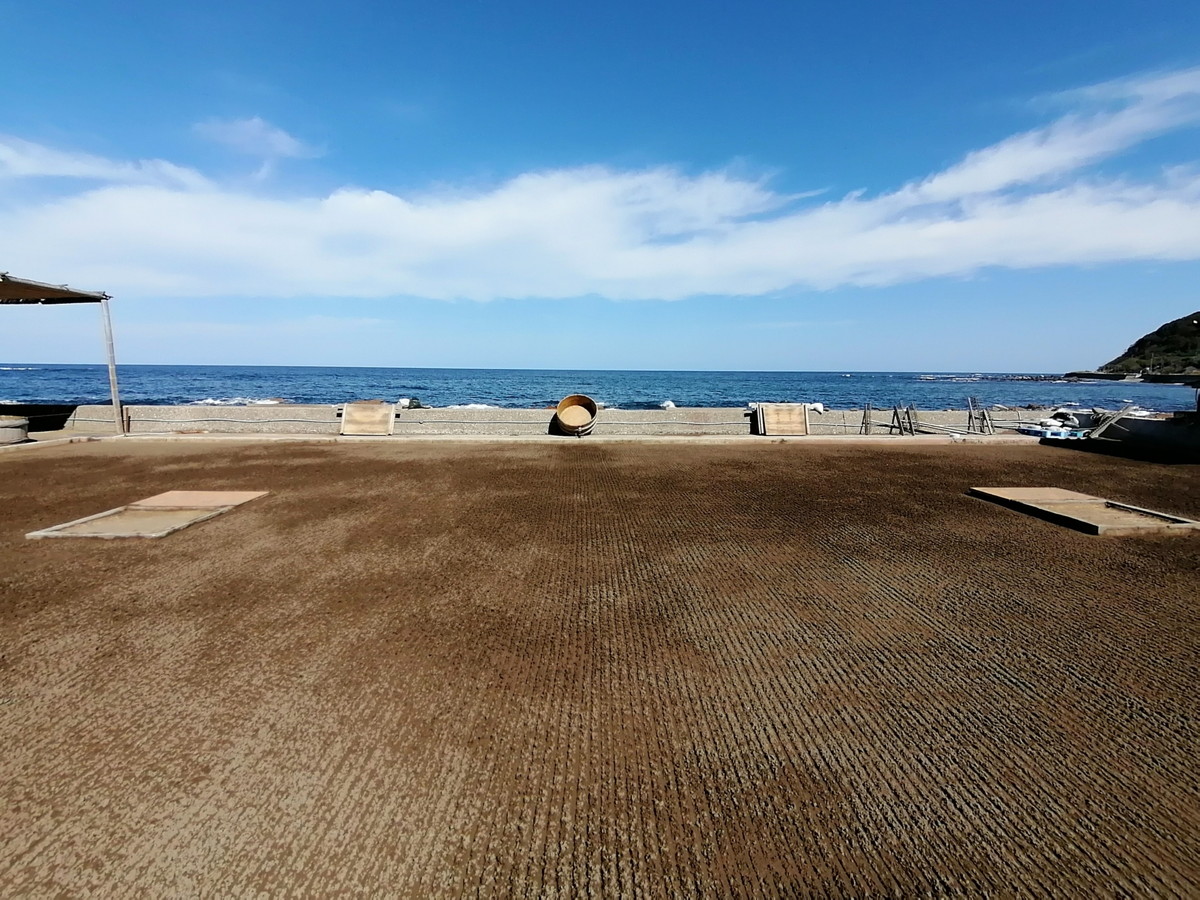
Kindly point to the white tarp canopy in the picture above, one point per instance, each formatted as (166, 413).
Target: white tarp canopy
(21, 291)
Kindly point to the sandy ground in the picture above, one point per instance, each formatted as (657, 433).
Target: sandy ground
(596, 670)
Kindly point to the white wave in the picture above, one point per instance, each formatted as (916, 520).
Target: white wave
(18, 369)
(238, 401)
(666, 404)
(471, 406)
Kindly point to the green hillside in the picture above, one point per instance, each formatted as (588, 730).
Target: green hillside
(1169, 349)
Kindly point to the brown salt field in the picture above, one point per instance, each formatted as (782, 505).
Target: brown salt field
(579, 668)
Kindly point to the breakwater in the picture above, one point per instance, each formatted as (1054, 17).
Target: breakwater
(319, 419)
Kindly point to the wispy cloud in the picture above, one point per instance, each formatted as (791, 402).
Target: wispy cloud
(1034, 199)
(25, 159)
(1151, 106)
(255, 137)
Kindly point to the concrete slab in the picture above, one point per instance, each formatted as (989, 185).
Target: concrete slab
(153, 517)
(129, 521)
(1083, 512)
(1032, 494)
(198, 499)
(1107, 517)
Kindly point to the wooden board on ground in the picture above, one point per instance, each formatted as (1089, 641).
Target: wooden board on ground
(1083, 512)
(369, 418)
(782, 418)
(198, 499)
(153, 517)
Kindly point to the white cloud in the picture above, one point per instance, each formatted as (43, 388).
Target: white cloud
(25, 159)
(1028, 201)
(1163, 86)
(1079, 139)
(254, 137)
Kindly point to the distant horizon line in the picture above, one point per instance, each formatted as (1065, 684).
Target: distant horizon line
(840, 371)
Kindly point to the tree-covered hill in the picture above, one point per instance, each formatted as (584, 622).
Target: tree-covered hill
(1169, 349)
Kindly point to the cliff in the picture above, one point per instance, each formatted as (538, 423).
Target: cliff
(1170, 348)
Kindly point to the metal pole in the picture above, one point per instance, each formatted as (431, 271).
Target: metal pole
(118, 415)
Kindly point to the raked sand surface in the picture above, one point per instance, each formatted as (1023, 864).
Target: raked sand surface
(596, 669)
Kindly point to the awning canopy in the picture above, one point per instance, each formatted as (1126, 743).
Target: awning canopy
(21, 290)
(15, 291)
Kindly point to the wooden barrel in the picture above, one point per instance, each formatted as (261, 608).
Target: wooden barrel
(14, 429)
(575, 415)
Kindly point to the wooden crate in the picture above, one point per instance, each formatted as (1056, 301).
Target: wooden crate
(782, 418)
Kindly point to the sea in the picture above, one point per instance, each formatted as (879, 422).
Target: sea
(535, 388)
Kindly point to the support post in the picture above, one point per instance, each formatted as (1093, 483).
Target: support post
(118, 414)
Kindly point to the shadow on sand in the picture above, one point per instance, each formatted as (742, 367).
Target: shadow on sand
(1138, 451)
(41, 416)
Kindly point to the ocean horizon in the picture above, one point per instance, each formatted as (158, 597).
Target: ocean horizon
(231, 385)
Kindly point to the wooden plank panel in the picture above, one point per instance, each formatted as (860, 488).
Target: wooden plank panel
(369, 418)
(784, 418)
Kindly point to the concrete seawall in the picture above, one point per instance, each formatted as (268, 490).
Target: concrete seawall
(326, 419)
(1180, 432)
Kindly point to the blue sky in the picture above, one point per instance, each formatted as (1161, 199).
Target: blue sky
(918, 186)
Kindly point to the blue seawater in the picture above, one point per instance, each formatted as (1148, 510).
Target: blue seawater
(517, 388)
